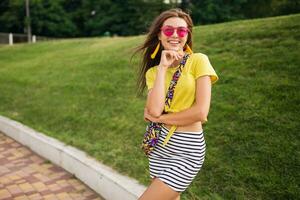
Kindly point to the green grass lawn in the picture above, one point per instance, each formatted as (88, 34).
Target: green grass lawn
(82, 91)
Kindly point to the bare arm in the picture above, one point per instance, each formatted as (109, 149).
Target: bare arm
(198, 112)
(156, 96)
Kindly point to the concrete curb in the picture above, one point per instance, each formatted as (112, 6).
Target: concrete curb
(105, 181)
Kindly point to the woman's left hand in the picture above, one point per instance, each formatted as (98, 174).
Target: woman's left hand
(148, 117)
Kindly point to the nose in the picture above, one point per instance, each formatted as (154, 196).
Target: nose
(175, 33)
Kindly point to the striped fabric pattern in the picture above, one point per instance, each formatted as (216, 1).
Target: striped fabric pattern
(177, 163)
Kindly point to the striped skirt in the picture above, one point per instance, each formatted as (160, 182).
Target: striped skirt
(177, 163)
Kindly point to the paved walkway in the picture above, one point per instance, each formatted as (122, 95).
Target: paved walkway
(26, 176)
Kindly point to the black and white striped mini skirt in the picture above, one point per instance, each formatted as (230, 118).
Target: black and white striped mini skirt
(177, 163)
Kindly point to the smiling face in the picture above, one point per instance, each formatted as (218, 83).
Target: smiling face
(175, 41)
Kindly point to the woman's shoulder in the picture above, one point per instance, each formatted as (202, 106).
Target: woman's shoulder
(198, 56)
(152, 69)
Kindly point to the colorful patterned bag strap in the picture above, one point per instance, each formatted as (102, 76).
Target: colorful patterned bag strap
(170, 93)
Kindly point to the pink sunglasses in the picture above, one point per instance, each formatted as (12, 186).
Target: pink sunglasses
(169, 31)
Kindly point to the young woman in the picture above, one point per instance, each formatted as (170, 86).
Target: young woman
(180, 151)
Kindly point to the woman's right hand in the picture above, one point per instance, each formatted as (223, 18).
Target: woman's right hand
(168, 57)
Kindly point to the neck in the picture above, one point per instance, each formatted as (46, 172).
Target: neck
(175, 64)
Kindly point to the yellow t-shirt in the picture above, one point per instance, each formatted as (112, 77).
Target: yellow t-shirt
(185, 91)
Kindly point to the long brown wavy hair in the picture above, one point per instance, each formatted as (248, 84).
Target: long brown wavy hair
(151, 42)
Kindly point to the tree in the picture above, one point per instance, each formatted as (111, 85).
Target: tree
(212, 11)
(120, 17)
(73, 18)
(50, 19)
(283, 7)
(12, 16)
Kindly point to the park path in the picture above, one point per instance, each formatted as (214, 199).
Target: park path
(25, 175)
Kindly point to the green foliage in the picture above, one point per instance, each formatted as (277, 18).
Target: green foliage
(212, 11)
(12, 16)
(49, 18)
(82, 91)
(265, 8)
(120, 17)
(74, 18)
(282, 7)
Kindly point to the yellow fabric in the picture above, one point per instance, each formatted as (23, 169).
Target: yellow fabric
(197, 65)
(184, 95)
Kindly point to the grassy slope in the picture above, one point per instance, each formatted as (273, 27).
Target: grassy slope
(82, 92)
